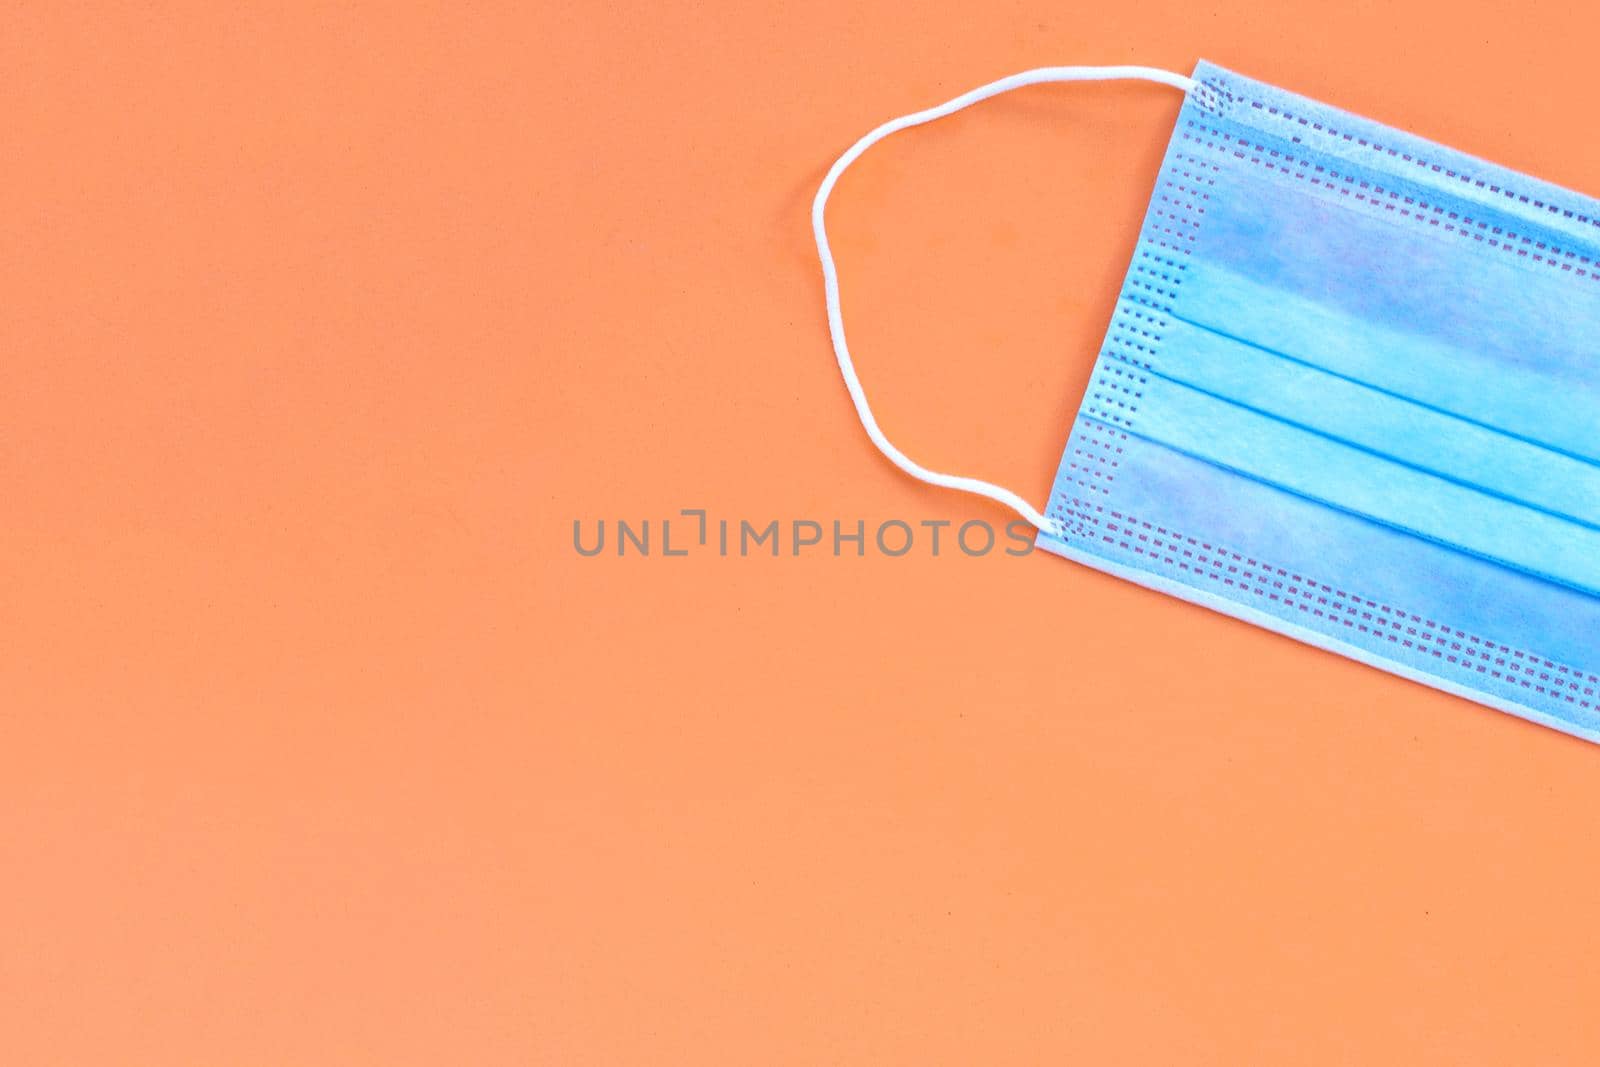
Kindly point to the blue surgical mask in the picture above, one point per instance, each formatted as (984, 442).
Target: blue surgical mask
(1350, 392)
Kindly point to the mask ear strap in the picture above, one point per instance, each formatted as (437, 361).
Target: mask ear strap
(830, 276)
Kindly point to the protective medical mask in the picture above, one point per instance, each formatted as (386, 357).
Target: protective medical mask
(1350, 392)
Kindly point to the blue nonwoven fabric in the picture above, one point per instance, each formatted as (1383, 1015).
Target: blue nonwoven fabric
(1351, 392)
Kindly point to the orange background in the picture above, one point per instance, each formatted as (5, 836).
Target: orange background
(321, 745)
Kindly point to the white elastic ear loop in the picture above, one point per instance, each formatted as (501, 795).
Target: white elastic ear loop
(830, 276)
